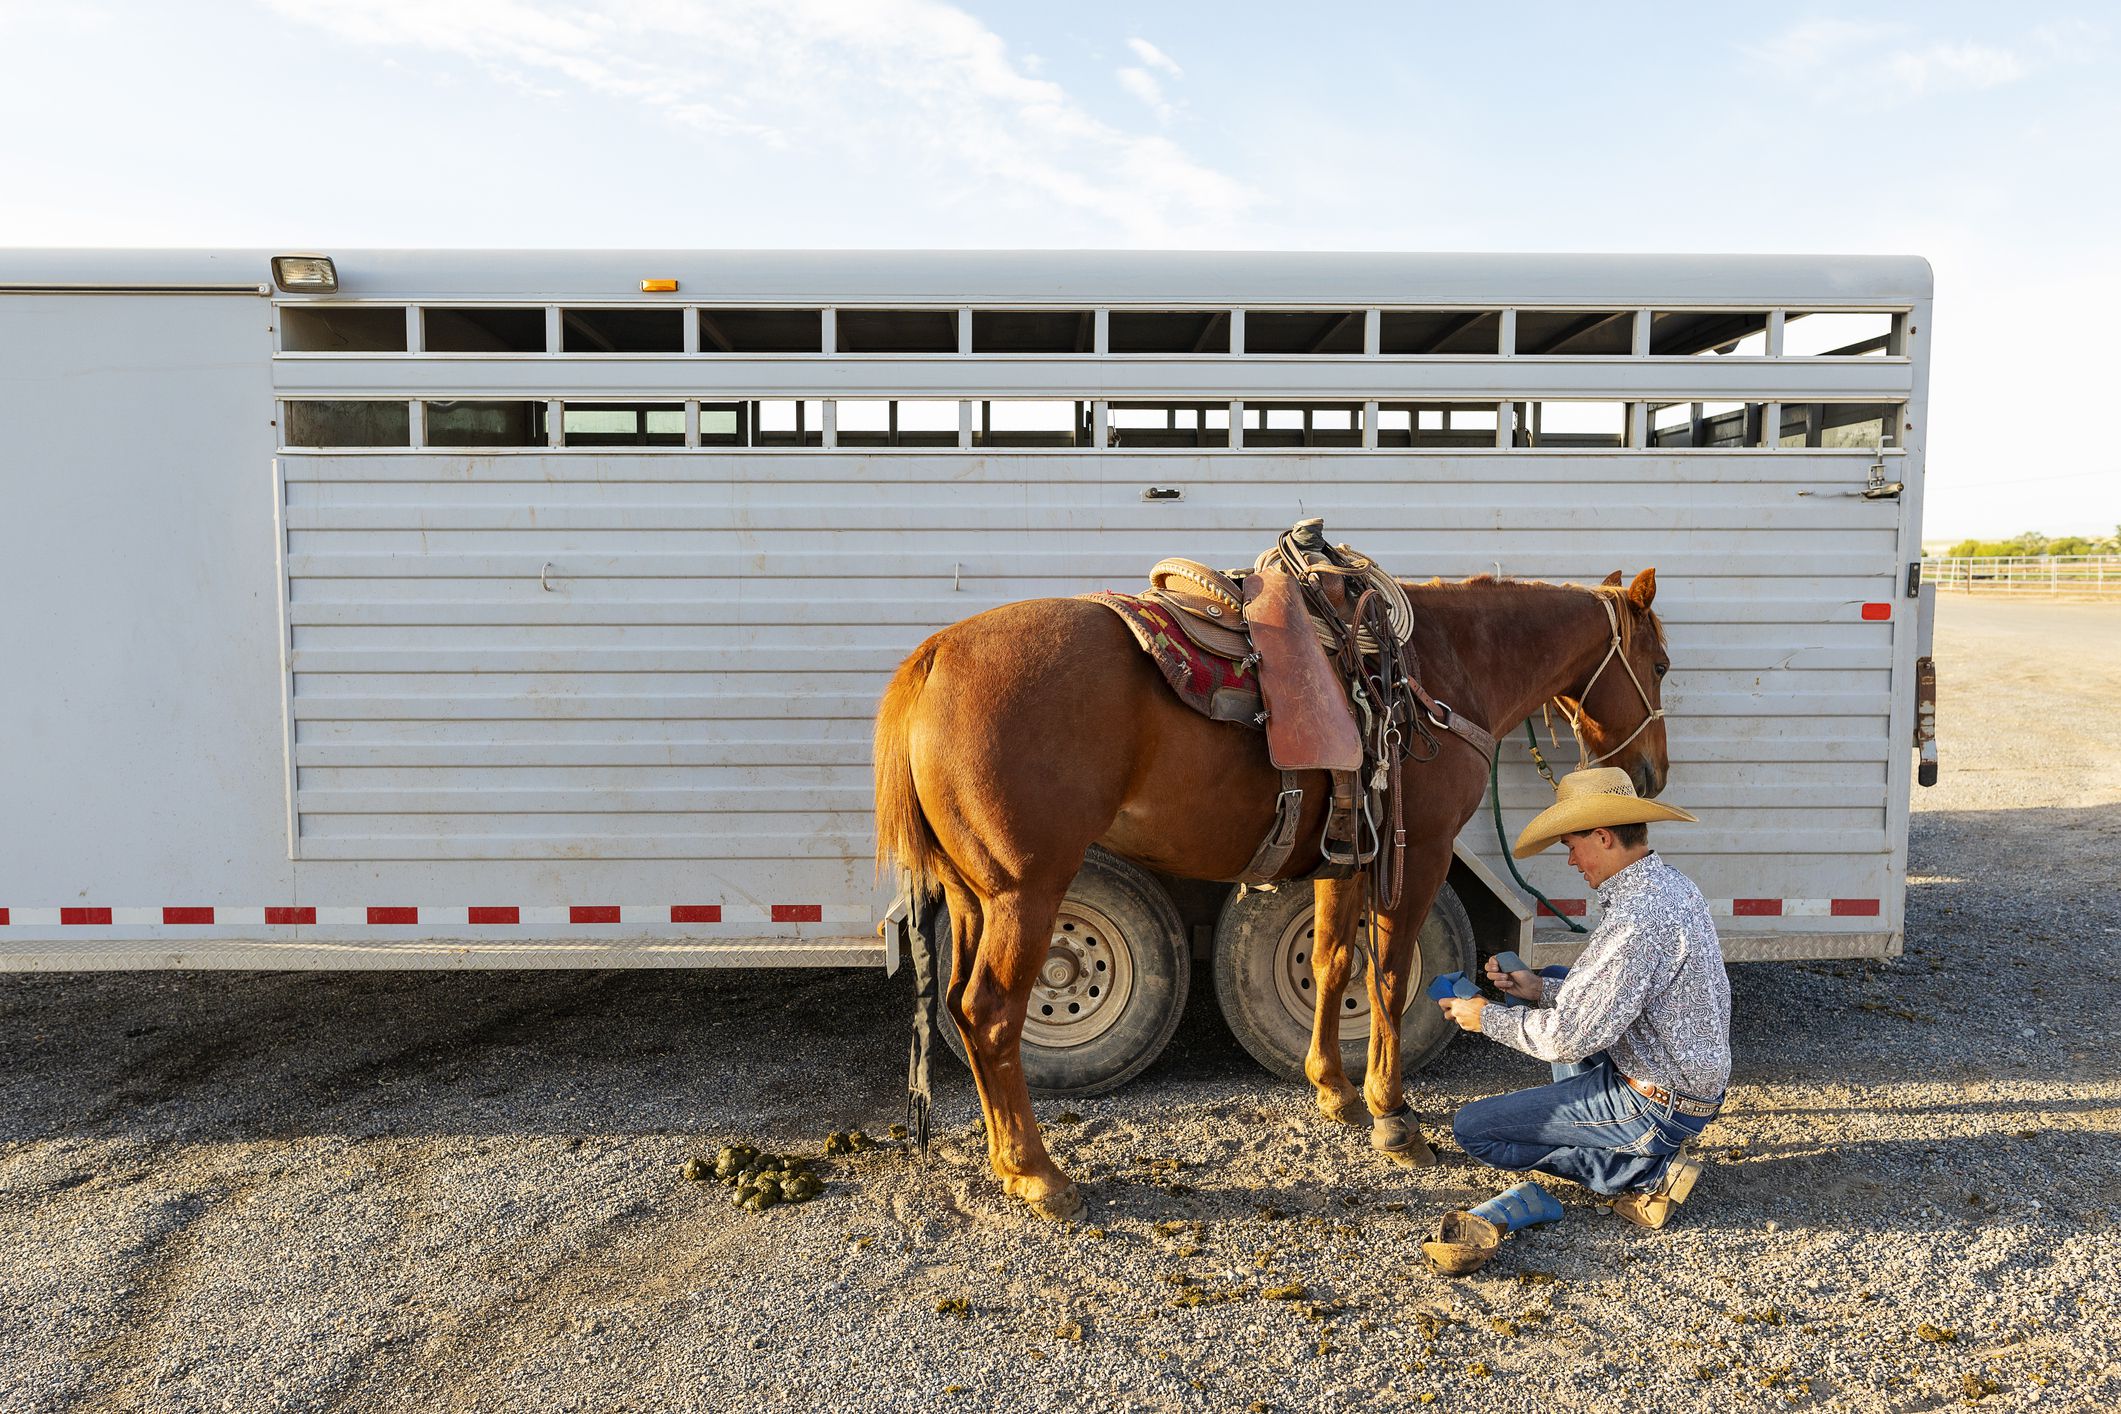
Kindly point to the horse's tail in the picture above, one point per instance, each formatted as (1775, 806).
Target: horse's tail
(903, 836)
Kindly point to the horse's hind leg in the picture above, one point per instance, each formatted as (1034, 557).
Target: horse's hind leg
(988, 999)
(1339, 903)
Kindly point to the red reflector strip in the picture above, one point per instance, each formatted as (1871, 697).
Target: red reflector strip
(1854, 908)
(695, 913)
(393, 915)
(1877, 612)
(496, 915)
(798, 913)
(1756, 907)
(84, 917)
(1569, 907)
(3, 918)
(593, 913)
(290, 915)
(187, 915)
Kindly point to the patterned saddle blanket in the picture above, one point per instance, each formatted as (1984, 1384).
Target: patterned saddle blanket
(1219, 687)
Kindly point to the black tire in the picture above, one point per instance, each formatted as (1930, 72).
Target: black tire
(1118, 936)
(1263, 982)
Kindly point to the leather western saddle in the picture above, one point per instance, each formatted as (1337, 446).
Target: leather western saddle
(1329, 634)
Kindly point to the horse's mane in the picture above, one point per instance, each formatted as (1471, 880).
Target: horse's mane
(1616, 592)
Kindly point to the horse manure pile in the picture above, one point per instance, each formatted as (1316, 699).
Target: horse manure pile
(761, 1180)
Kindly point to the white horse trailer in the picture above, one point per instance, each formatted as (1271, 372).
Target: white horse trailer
(455, 609)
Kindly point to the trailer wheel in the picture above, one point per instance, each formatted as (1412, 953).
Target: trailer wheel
(1112, 988)
(1263, 981)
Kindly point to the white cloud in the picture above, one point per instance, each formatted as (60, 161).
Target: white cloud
(1850, 60)
(1155, 58)
(1143, 85)
(919, 83)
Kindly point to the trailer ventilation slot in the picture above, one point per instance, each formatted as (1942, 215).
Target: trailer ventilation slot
(484, 424)
(746, 331)
(1025, 422)
(1709, 332)
(1575, 332)
(1840, 334)
(1337, 331)
(482, 330)
(914, 331)
(623, 425)
(621, 331)
(1440, 331)
(1033, 331)
(311, 328)
(1183, 425)
(348, 422)
(1303, 424)
(1436, 424)
(893, 422)
(1174, 331)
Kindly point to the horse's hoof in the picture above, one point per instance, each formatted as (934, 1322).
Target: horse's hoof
(1400, 1136)
(1062, 1205)
(1344, 1109)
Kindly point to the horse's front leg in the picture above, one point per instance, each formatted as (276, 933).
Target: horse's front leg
(1396, 1129)
(1338, 903)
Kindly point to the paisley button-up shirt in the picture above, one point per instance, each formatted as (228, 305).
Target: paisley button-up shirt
(1649, 989)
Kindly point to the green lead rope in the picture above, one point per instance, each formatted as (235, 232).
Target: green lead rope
(1495, 795)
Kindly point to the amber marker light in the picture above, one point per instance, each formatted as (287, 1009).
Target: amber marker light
(659, 287)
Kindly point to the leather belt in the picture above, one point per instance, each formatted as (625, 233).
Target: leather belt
(1684, 1104)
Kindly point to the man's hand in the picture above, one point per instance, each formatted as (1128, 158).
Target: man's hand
(1464, 1010)
(1526, 986)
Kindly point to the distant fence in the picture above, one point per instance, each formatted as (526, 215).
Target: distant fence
(2057, 576)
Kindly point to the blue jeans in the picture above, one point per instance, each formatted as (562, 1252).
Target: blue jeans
(1589, 1125)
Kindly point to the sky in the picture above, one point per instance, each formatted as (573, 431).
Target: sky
(1978, 136)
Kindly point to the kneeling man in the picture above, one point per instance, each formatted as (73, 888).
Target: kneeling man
(1638, 1031)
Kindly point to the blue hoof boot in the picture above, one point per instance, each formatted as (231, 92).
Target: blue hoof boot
(1452, 984)
(1513, 1209)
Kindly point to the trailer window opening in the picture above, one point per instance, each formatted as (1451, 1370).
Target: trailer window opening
(1169, 331)
(1570, 423)
(781, 422)
(1706, 424)
(1440, 331)
(1686, 332)
(444, 330)
(622, 425)
(484, 423)
(1837, 334)
(348, 422)
(897, 331)
(746, 331)
(604, 331)
(1182, 425)
(897, 422)
(1033, 331)
(1336, 331)
(1436, 424)
(309, 328)
(1833, 426)
(1031, 422)
(1575, 332)
(1279, 424)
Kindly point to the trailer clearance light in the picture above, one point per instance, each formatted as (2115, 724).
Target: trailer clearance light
(659, 287)
(1877, 612)
(305, 274)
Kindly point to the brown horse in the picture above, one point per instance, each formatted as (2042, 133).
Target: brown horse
(1010, 743)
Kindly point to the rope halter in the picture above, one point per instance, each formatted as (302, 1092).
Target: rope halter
(1613, 651)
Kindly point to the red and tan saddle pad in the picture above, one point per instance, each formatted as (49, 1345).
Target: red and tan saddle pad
(1310, 726)
(1211, 685)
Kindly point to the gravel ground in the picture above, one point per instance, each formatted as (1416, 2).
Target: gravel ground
(420, 1191)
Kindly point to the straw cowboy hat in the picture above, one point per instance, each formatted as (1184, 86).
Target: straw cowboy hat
(1585, 800)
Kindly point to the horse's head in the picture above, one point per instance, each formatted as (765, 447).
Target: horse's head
(1619, 717)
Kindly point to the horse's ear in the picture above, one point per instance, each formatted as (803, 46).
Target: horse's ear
(1611, 579)
(1643, 590)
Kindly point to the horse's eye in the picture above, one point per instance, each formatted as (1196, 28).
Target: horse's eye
(1663, 668)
